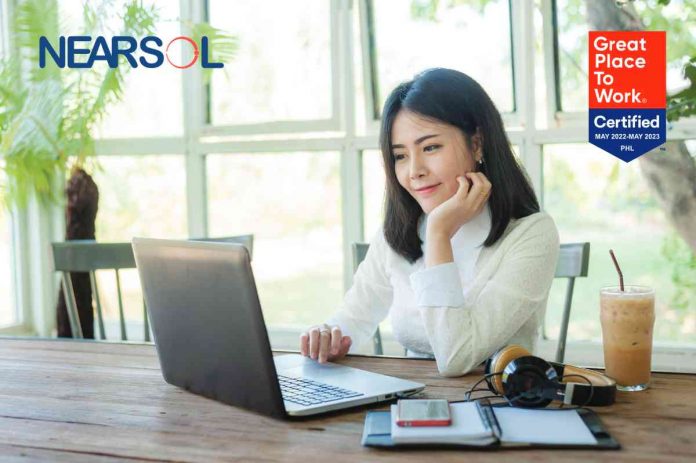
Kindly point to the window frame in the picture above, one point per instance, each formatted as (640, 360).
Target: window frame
(370, 74)
(333, 123)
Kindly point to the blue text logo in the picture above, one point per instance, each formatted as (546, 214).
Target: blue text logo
(71, 48)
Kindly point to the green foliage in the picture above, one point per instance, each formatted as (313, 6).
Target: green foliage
(225, 45)
(47, 115)
(31, 144)
(683, 103)
(683, 275)
(30, 108)
(426, 10)
(680, 23)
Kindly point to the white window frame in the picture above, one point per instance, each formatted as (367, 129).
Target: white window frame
(336, 134)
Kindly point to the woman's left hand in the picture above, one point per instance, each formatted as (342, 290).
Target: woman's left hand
(464, 205)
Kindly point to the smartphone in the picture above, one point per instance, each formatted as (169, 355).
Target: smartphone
(423, 412)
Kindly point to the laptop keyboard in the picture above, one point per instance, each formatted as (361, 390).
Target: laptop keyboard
(307, 392)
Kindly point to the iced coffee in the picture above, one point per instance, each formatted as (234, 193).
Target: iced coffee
(627, 320)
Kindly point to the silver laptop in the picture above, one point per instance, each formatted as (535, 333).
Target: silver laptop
(211, 338)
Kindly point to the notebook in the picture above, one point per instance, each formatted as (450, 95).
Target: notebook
(479, 424)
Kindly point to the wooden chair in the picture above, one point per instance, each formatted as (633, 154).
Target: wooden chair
(90, 256)
(573, 262)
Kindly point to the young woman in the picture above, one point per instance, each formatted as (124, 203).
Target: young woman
(464, 259)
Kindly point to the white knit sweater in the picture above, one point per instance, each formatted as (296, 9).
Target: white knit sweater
(463, 311)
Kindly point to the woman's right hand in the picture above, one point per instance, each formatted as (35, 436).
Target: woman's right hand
(324, 343)
(468, 201)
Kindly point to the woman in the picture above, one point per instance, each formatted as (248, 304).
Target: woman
(464, 259)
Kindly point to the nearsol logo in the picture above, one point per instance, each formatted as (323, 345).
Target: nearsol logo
(80, 51)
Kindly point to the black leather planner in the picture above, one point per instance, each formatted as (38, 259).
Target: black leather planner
(505, 427)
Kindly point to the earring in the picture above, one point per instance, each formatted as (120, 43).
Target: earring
(480, 160)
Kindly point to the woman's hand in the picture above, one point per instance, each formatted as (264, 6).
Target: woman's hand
(324, 343)
(465, 204)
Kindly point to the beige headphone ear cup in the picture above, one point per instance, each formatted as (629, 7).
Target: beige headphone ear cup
(595, 378)
(501, 360)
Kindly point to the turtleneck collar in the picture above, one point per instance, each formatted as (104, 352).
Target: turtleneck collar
(470, 235)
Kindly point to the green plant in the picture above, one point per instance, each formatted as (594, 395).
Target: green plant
(682, 103)
(47, 115)
(683, 275)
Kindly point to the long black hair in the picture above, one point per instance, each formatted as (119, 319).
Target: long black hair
(452, 97)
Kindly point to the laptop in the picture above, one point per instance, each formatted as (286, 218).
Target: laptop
(211, 338)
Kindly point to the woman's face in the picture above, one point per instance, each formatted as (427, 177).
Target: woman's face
(428, 158)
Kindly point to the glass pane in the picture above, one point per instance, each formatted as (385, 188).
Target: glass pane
(282, 70)
(8, 315)
(141, 196)
(596, 198)
(291, 203)
(152, 98)
(138, 196)
(415, 35)
(573, 20)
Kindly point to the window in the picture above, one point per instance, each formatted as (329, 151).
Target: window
(282, 69)
(141, 196)
(291, 203)
(594, 197)
(408, 37)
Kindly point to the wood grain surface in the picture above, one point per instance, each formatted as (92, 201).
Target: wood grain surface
(93, 401)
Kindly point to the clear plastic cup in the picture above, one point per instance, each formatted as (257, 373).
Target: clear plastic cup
(627, 320)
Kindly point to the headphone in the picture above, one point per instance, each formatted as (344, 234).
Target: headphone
(528, 381)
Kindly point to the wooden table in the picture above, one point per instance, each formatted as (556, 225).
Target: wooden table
(88, 401)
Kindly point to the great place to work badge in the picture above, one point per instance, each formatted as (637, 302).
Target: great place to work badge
(628, 93)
